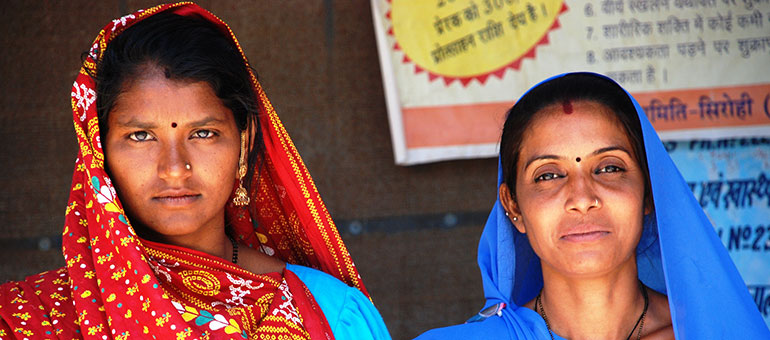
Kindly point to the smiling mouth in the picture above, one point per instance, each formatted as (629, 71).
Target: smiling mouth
(585, 237)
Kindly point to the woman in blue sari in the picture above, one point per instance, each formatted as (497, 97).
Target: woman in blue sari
(595, 234)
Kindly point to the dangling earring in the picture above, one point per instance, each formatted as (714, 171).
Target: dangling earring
(241, 196)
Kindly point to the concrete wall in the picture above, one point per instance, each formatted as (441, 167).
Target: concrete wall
(415, 229)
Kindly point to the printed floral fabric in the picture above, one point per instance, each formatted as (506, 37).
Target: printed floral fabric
(115, 285)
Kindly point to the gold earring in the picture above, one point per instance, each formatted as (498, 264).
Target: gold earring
(241, 196)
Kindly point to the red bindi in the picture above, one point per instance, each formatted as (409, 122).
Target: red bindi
(577, 159)
(173, 125)
(567, 107)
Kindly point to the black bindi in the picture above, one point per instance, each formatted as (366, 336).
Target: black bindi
(577, 159)
(173, 125)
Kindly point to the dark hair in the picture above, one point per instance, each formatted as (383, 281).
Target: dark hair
(571, 87)
(185, 48)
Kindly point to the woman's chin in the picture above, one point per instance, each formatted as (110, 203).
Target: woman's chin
(169, 228)
(589, 263)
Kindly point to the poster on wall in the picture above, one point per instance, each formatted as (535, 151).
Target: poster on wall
(731, 180)
(451, 68)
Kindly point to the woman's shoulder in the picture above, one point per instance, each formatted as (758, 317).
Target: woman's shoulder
(315, 279)
(658, 325)
(491, 328)
(57, 280)
(350, 314)
(33, 301)
(509, 322)
(331, 294)
(39, 288)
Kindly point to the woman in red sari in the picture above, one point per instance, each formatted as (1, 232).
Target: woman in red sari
(191, 214)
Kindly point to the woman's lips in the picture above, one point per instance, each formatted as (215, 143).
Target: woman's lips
(176, 199)
(585, 237)
(584, 233)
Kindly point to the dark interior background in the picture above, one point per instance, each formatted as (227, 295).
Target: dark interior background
(413, 231)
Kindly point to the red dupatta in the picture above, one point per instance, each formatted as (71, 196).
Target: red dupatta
(115, 285)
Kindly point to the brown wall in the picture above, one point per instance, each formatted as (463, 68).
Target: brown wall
(318, 62)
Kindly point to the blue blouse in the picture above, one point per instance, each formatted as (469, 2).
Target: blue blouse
(349, 312)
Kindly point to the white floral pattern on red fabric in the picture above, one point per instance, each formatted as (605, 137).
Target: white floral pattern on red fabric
(287, 308)
(239, 288)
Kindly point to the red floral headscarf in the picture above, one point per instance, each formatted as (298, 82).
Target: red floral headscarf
(115, 285)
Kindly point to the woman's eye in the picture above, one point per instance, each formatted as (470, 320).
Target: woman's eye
(547, 177)
(203, 134)
(610, 169)
(139, 136)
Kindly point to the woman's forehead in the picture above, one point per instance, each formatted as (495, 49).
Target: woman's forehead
(156, 99)
(574, 127)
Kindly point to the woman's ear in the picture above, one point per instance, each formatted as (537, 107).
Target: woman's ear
(511, 208)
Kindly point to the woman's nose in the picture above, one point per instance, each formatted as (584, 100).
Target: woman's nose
(581, 196)
(174, 163)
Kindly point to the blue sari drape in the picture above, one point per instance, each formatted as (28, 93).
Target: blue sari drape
(679, 255)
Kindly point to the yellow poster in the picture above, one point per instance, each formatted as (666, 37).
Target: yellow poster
(451, 68)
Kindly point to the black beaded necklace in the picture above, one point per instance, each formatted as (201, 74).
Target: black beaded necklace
(639, 322)
(235, 248)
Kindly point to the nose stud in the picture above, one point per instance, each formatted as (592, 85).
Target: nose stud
(187, 166)
(596, 202)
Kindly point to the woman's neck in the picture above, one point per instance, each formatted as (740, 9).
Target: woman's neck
(216, 244)
(603, 307)
(213, 241)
